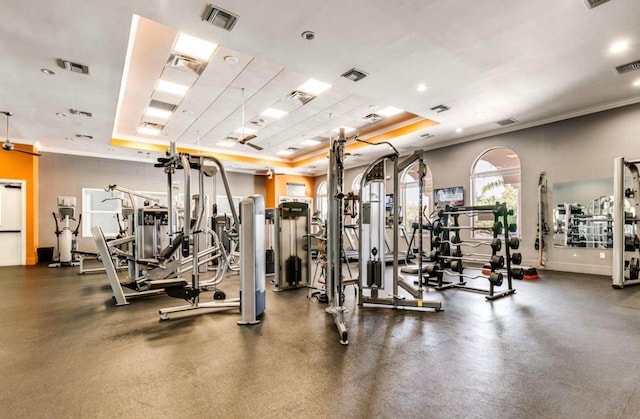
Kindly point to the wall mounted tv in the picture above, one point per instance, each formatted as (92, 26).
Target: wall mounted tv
(453, 195)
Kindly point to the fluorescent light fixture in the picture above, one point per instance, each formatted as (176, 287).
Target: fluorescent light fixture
(511, 156)
(194, 47)
(148, 131)
(285, 152)
(309, 143)
(619, 46)
(421, 87)
(273, 113)
(314, 87)
(346, 130)
(247, 131)
(172, 88)
(158, 113)
(389, 111)
(459, 130)
(226, 143)
(636, 83)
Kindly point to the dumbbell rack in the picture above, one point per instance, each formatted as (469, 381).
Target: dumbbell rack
(448, 258)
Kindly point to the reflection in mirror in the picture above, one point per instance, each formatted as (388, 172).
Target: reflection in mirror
(583, 214)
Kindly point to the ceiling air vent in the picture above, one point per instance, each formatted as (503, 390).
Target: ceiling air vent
(507, 121)
(220, 18)
(162, 105)
(182, 62)
(302, 97)
(440, 108)
(85, 136)
(625, 68)
(77, 112)
(75, 67)
(426, 135)
(592, 4)
(152, 125)
(354, 74)
(372, 118)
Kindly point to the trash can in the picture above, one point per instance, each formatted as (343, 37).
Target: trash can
(45, 254)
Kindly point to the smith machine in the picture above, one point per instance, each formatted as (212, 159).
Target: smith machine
(626, 245)
(372, 245)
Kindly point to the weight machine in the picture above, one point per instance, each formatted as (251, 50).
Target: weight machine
(372, 238)
(625, 224)
(292, 225)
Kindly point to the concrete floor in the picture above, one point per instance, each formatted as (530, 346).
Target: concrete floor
(565, 346)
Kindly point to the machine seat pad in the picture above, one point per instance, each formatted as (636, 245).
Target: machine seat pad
(150, 261)
(83, 253)
(167, 283)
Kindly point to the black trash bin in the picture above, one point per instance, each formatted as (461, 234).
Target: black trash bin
(45, 254)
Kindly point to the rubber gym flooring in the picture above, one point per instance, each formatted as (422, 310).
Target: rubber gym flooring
(564, 346)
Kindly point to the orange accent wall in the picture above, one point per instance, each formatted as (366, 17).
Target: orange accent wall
(20, 166)
(277, 187)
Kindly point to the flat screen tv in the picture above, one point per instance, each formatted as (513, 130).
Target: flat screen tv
(388, 201)
(453, 195)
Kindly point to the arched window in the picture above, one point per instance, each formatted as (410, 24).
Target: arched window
(495, 177)
(410, 193)
(322, 202)
(355, 186)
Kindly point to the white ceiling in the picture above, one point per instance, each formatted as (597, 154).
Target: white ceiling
(535, 61)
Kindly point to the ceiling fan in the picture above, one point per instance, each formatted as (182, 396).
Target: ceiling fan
(8, 145)
(244, 139)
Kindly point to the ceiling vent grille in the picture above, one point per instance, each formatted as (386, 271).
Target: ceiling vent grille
(592, 4)
(77, 112)
(152, 125)
(372, 118)
(426, 135)
(625, 68)
(84, 136)
(508, 121)
(302, 97)
(440, 108)
(354, 74)
(220, 18)
(182, 62)
(162, 105)
(75, 67)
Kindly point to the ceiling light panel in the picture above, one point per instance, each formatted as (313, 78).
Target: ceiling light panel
(309, 143)
(172, 88)
(194, 47)
(314, 87)
(148, 131)
(158, 113)
(389, 111)
(273, 113)
(246, 131)
(347, 130)
(619, 46)
(285, 152)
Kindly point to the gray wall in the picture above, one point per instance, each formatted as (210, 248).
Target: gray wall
(577, 149)
(66, 175)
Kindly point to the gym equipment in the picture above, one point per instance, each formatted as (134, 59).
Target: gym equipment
(270, 259)
(542, 228)
(449, 258)
(335, 244)
(625, 223)
(66, 238)
(372, 228)
(292, 225)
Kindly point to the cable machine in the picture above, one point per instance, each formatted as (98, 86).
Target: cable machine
(372, 246)
(625, 224)
(292, 225)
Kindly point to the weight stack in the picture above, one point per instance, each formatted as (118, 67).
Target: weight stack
(374, 273)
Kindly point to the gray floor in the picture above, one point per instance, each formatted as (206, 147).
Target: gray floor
(565, 346)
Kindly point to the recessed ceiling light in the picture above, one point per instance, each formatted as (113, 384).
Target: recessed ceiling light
(636, 83)
(247, 131)
(308, 35)
(421, 87)
(314, 87)
(619, 46)
(148, 131)
(231, 59)
(372, 107)
(273, 113)
(309, 143)
(158, 113)
(61, 114)
(172, 88)
(285, 152)
(47, 71)
(194, 47)
(459, 130)
(389, 111)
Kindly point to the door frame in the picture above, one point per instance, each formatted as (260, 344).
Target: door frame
(23, 227)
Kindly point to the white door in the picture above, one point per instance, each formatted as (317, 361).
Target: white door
(11, 223)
